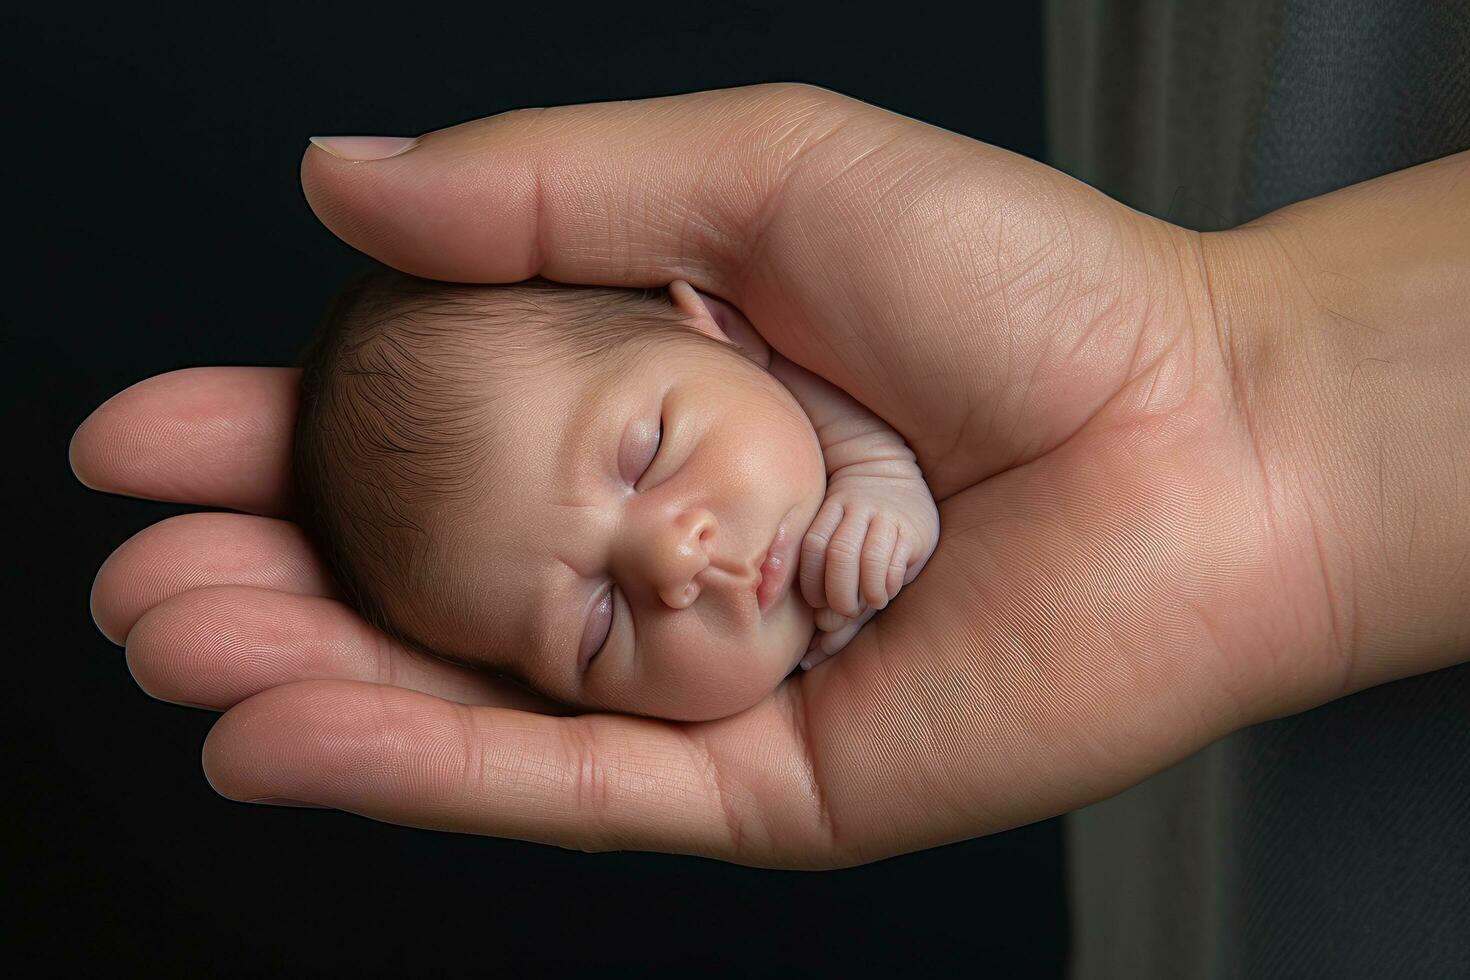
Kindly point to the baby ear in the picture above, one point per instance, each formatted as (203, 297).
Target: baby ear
(687, 301)
(721, 321)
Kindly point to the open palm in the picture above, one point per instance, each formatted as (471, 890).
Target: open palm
(1115, 584)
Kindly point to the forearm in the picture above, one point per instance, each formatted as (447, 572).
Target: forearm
(1344, 322)
(853, 439)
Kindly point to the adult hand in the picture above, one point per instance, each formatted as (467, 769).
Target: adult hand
(1155, 529)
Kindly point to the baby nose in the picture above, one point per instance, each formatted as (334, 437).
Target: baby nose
(682, 555)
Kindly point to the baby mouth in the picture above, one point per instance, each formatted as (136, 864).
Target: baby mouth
(776, 570)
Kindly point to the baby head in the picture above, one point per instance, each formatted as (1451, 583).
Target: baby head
(573, 486)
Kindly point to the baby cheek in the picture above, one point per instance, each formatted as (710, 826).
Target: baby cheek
(703, 677)
(692, 669)
(806, 445)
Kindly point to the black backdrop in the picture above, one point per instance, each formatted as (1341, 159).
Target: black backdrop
(153, 158)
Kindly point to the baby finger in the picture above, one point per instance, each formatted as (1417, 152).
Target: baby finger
(877, 556)
(825, 645)
(898, 566)
(814, 656)
(812, 567)
(844, 552)
(829, 620)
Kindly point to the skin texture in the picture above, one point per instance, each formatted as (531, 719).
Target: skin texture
(1161, 518)
(653, 552)
(878, 524)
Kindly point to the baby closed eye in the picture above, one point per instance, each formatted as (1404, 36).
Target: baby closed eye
(596, 637)
(657, 444)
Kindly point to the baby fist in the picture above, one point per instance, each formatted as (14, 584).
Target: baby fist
(872, 536)
(832, 634)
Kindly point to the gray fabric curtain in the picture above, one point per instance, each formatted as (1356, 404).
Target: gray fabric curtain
(1336, 842)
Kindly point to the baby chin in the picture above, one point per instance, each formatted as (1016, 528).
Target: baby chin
(785, 628)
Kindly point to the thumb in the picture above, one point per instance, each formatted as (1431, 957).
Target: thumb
(628, 193)
(869, 248)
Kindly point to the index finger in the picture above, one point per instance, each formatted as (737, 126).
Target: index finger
(213, 436)
(507, 201)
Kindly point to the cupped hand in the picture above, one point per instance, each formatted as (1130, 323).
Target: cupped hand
(1111, 591)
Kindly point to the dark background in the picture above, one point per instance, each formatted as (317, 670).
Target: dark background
(153, 159)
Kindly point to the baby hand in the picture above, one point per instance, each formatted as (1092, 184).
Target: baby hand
(873, 535)
(834, 630)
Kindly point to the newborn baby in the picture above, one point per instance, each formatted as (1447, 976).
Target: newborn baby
(603, 494)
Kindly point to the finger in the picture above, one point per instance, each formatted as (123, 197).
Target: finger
(214, 436)
(843, 554)
(832, 643)
(725, 189)
(735, 190)
(828, 620)
(617, 193)
(213, 647)
(813, 570)
(814, 655)
(595, 782)
(195, 550)
(877, 556)
(913, 563)
(898, 566)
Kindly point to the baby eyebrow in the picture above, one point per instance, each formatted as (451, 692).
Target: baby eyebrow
(598, 403)
(547, 614)
(539, 584)
(494, 664)
(514, 671)
(591, 406)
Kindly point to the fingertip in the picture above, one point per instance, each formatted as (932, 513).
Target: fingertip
(363, 149)
(71, 456)
(212, 758)
(811, 590)
(895, 578)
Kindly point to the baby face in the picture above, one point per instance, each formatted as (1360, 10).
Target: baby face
(624, 529)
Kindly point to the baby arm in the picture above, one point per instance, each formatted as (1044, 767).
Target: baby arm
(877, 526)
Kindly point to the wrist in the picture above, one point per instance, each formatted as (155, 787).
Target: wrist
(848, 431)
(1341, 322)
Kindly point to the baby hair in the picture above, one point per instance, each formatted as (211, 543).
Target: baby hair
(401, 390)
